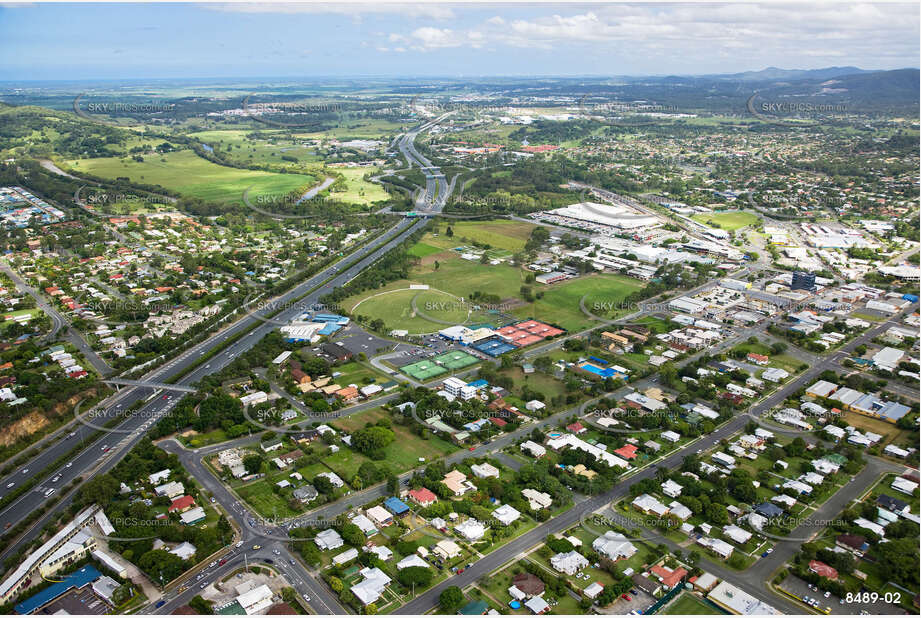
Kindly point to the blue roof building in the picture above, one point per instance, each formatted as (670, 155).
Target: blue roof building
(396, 506)
(331, 317)
(329, 329)
(77, 579)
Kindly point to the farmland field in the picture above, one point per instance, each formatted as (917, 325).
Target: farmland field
(189, 174)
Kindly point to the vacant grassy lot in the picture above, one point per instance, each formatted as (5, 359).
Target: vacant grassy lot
(264, 500)
(358, 190)
(189, 174)
(499, 234)
(688, 604)
(729, 221)
(236, 145)
(421, 249)
(560, 303)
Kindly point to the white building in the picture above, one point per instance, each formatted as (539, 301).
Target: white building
(614, 546)
(534, 449)
(471, 529)
(537, 499)
(370, 589)
(671, 489)
(569, 563)
(328, 539)
(484, 470)
(506, 514)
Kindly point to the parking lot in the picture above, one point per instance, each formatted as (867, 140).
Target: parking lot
(622, 607)
(801, 589)
(357, 340)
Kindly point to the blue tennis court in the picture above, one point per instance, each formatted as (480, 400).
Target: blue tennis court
(493, 347)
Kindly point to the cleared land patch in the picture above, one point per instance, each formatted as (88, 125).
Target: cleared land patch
(189, 174)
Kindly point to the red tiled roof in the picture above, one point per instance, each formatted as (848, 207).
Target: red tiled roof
(627, 451)
(498, 422)
(669, 577)
(823, 570)
(422, 495)
(181, 503)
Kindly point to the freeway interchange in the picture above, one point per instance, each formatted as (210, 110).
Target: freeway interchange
(98, 454)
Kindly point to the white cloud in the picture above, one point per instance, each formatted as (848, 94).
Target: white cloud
(758, 34)
(440, 12)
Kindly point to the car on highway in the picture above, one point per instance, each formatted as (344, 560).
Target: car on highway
(56, 479)
(160, 603)
(257, 547)
(222, 562)
(9, 485)
(69, 464)
(239, 544)
(269, 561)
(49, 492)
(307, 598)
(24, 470)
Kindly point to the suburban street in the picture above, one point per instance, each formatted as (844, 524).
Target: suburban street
(106, 450)
(756, 586)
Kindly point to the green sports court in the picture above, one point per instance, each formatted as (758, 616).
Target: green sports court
(455, 359)
(423, 370)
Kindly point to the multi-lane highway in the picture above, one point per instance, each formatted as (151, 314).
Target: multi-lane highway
(102, 453)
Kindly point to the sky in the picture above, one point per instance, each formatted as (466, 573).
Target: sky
(222, 40)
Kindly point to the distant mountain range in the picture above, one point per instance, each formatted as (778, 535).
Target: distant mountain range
(773, 73)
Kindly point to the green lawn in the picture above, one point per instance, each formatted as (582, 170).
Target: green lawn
(357, 189)
(688, 604)
(401, 455)
(393, 304)
(264, 500)
(421, 249)
(189, 174)
(729, 221)
(604, 295)
(498, 234)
